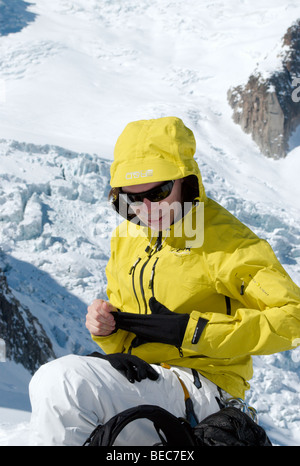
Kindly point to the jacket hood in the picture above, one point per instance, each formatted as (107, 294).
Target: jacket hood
(155, 150)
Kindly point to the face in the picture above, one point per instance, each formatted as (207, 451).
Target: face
(157, 215)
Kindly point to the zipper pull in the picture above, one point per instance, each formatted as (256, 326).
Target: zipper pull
(242, 288)
(134, 265)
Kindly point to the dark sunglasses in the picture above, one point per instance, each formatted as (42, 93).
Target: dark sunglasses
(157, 194)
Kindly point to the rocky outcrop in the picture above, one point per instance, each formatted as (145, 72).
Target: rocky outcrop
(268, 107)
(25, 338)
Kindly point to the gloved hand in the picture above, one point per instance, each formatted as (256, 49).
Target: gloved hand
(132, 367)
(162, 326)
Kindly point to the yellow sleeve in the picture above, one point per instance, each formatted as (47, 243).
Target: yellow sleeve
(268, 319)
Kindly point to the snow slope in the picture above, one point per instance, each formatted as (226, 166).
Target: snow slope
(73, 73)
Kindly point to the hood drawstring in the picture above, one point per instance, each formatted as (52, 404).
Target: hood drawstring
(158, 243)
(165, 238)
(149, 247)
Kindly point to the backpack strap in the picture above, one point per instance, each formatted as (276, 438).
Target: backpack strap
(176, 430)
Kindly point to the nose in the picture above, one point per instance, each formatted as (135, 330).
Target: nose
(152, 209)
(147, 203)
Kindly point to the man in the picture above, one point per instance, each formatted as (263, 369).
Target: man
(192, 295)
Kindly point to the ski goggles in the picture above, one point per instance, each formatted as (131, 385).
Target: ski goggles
(157, 194)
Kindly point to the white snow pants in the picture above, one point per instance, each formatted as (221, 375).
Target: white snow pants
(71, 395)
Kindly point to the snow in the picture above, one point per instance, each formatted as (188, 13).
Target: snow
(73, 74)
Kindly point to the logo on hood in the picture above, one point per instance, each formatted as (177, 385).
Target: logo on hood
(141, 174)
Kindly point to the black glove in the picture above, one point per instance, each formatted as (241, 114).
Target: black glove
(132, 367)
(162, 326)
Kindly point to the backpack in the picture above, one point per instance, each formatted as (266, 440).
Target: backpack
(177, 431)
(230, 427)
(227, 427)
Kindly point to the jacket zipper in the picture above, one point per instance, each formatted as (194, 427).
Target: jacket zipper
(228, 305)
(131, 272)
(180, 351)
(141, 281)
(151, 281)
(150, 252)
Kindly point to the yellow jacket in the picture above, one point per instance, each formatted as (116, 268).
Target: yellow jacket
(240, 299)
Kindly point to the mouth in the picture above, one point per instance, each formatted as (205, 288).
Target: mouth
(155, 220)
